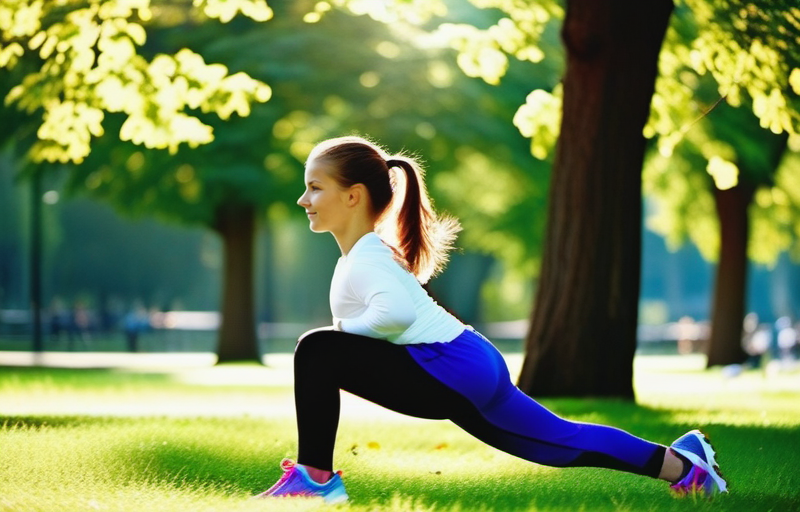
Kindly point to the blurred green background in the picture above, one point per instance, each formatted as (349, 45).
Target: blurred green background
(131, 230)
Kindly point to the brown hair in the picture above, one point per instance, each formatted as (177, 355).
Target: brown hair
(423, 238)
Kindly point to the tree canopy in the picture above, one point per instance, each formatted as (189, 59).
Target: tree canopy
(728, 88)
(83, 61)
(721, 54)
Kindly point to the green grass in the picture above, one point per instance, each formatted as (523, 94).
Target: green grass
(206, 439)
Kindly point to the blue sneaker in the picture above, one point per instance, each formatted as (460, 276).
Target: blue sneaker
(296, 482)
(704, 476)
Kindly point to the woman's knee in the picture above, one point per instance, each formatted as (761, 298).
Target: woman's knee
(310, 343)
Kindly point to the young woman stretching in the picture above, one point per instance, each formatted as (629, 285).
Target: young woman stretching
(393, 345)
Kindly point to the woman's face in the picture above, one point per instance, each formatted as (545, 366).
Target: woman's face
(324, 201)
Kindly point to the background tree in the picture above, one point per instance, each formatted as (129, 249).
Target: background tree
(740, 64)
(705, 192)
(82, 64)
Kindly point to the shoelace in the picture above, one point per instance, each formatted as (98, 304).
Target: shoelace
(286, 465)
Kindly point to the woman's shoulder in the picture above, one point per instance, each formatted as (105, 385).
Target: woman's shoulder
(372, 251)
(370, 246)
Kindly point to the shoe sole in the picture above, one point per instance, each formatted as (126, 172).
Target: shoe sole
(710, 464)
(336, 500)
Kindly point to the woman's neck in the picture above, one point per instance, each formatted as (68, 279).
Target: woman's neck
(348, 237)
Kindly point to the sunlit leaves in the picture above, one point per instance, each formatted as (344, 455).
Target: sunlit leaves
(10, 54)
(415, 12)
(752, 52)
(91, 65)
(683, 203)
(483, 52)
(725, 173)
(479, 54)
(20, 18)
(794, 80)
(774, 220)
(539, 119)
(226, 10)
(719, 55)
(67, 129)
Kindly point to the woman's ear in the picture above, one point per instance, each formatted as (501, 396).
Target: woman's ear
(356, 194)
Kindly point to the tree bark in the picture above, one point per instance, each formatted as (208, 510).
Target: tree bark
(237, 334)
(582, 336)
(730, 288)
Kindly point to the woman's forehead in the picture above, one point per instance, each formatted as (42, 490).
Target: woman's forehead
(316, 170)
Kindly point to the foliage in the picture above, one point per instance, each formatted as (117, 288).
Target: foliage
(749, 49)
(741, 55)
(393, 72)
(752, 52)
(724, 127)
(776, 217)
(88, 64)
(482, 52)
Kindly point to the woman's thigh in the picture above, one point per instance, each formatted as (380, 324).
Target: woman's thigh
(376, 370)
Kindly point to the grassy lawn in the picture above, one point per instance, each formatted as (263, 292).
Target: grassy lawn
(200, 438)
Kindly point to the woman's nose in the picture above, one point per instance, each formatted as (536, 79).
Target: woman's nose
(302, 201)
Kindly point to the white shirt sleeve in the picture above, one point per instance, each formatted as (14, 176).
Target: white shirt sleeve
(389, 308)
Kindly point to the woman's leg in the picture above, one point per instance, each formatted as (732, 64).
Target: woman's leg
(326, 361)
(502, 416)
(521, 426)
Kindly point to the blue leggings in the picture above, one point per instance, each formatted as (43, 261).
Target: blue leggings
(465, 381)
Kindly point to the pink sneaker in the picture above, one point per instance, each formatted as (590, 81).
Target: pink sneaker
(296, 482)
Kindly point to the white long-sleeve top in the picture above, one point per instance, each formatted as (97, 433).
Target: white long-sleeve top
(373, 295)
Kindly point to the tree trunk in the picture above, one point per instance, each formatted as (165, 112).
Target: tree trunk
(582, 336)
(759, 155)
(728, 308)
(237, 334)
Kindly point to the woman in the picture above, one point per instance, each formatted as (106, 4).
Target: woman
(393, 345)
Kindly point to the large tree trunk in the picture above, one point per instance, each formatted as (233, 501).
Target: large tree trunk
(237, 334)
(727, 312)
(582, 336)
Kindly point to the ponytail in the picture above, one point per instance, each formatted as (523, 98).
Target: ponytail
(424, 238)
